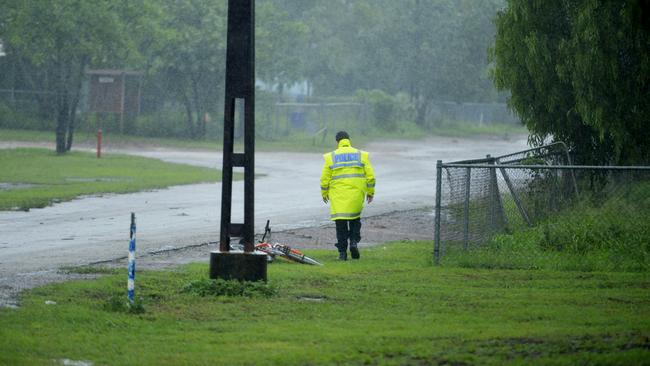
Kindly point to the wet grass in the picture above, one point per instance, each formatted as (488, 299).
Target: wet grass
(596, 233)
(39, 177)
(392, 307)
(7, 134)
(90, 269)
(472, 129)
(296, 142)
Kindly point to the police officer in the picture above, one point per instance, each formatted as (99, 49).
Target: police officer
(347, 179)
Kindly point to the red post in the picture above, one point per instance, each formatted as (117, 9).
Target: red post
(99, 143)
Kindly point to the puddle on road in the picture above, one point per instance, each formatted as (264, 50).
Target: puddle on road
(6, 186)
(9, 186)
(69, 362)
(95, 179)
(312, 298)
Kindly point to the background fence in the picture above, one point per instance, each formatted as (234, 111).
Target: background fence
(481, 113)
(319, 118)
(478, 199)
(26, 109)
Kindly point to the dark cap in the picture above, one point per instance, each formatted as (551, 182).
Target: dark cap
(342, 135)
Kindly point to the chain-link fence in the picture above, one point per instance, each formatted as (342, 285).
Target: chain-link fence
(477, 113)
(26, 109)
(318, 119)
(477, 199)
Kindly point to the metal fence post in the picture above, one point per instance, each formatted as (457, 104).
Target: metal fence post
(436, 240)
(495, 198)
(515, 197)
(468, 179)
(491, 191)
(569, 162)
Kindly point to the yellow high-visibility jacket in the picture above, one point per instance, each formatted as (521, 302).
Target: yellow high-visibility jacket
(346, 179)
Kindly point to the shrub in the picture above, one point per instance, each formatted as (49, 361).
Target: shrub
(614, 235)
(119, 304)
(219, 287)
(387, 110)
(14, 119)
(168, 122)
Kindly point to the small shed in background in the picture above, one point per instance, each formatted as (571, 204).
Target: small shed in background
(115, 91)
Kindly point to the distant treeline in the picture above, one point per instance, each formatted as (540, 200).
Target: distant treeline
(423, 50)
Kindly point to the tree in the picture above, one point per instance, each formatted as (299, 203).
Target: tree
(191, 60)
(432, 50)
(578, 71)
(444, 51)
(329, 54)
(54, 42)
(280, 41)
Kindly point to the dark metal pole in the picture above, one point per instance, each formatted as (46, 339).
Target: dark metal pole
(240, 89)
(468, 180)
(496, 199)
(240, 85)
(569, 162)
(226, 176)
(436, 240)
(515, 197)
(490, 160)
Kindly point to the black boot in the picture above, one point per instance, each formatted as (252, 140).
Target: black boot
(354, 250)
(343, 256)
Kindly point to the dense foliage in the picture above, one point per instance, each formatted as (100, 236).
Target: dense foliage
(579, 71)
(50, 44)
(425, 50)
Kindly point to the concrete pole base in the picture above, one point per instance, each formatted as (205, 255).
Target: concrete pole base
(238, 266)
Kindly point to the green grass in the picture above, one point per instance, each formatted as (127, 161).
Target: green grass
(299, 142)
(599, 232)
(109, 139)
(392, 307)
(26, 135)
(471, 129)
(40, 176)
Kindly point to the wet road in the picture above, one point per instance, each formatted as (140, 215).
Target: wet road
(95, 228)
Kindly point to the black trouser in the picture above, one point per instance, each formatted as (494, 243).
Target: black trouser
(347, 229)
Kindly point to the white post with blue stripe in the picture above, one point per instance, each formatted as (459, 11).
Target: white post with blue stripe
(131, 281)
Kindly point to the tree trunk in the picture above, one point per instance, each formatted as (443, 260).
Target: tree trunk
(74, 103)
(62, 124)
(421, 109)
(199, 109)
(200, 129)
(280, 91)
(188, 112)
(71, 125)
(420, 117)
